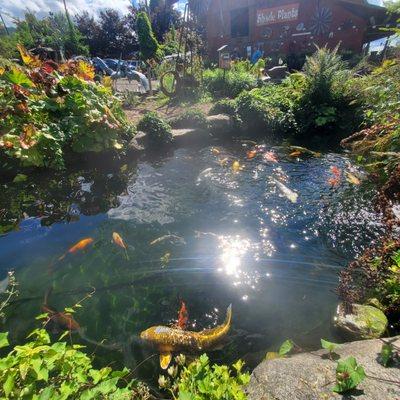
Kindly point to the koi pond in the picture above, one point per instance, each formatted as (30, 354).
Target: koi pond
(210, 226)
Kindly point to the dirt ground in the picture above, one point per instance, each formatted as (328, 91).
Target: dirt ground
(166, 111)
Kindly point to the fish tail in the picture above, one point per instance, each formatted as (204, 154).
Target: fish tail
(126, 254)
(228, 317)
(62, 257)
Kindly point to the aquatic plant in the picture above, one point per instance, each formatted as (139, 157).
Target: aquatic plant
(158, 131)
(49, 110)
(201, 381)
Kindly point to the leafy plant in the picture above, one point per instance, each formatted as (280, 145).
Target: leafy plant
(158, 130)
(330, 346)
(228, 83)
(190, 119)
(386, 355)
(45, 370)
(286, 347)
(201, 381)
(225, 106)
(48, 110)
(348, 375)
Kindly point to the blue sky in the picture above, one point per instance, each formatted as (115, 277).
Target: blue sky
(16, 8)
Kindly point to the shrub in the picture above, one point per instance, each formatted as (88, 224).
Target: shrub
(201, 381)
(230, 85)
(375, 275)
(326, 103)
(190, 119)
(41, 369)
(225, 106)
(267, 110)
(158, 131)
(48, 109)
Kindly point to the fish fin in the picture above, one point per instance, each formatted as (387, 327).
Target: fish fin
(228, 315)
(165, 359)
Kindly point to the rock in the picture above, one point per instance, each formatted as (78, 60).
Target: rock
(309, 376)
(183, 137)
(365, 322)
(220, 124)
(278, 73)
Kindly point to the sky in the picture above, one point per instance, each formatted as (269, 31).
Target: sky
(17, 8)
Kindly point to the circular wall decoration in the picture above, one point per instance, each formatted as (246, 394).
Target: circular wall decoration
(321, 21)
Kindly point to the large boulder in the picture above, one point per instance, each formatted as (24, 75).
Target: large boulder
(184, 137)
(363, 322)
(311, 376)
(220, 124)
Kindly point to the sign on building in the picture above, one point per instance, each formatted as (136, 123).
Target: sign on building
(275, 15)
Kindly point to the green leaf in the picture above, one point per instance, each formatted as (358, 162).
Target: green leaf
(8, 385)
(386, 354)
(271, 355)
(63, 335)
(348, 375)
(185, 396)
(286, 347)
(20, 178)
(69, 310)
(330, 346)
(4, 339)
(17, 77)
(42, 316)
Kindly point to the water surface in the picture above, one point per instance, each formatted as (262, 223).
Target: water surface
(243, 242)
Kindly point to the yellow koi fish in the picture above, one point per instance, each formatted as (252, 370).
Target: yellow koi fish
(117, 239)
(168, 340)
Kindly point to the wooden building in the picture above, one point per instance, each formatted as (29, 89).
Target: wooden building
(283, 27)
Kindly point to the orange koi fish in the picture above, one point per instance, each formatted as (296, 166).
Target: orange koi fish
(183, 317)
(337, 174)
(117, 239)
(63, 320)
(270, 156)
(81, 245)
(251, 154)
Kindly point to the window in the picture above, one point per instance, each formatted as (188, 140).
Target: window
(240, 22)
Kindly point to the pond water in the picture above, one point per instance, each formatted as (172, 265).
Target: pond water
(243, 242)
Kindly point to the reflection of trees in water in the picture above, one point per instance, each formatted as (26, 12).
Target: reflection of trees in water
(60, 197)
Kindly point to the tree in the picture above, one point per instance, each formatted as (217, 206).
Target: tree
(148, 44)
(112, 35)
(163, 16)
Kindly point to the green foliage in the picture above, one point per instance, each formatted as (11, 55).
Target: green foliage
(267, 110)
(348, 375)
(158, 131)
(225, 106)
(286, 348)
(53, 31)
(149, 46)
(46, 113)
(202, 381)
(330, 346)
(375, 275)
(228, 84)
(40, 369)
(326, 103)
(386, 354)
(190, 119)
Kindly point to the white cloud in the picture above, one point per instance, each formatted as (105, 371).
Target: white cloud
(17, 8)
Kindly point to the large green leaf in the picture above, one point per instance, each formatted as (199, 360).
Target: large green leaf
(348, 375)
(4, 339)
(286, 347)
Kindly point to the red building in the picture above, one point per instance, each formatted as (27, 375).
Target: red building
(282, 27)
